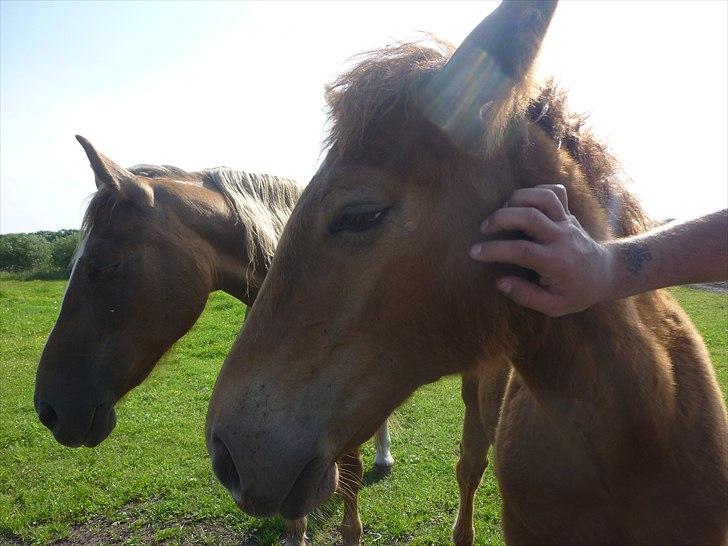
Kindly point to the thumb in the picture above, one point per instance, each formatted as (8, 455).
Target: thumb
(529, 295)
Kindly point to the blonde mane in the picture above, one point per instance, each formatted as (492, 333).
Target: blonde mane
(262, 204)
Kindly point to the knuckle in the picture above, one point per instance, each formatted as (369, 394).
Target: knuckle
(524, 250)
(554, 199)
(573, 232)
(559, 190)
(533, 215)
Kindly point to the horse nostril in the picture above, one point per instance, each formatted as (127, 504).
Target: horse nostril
(224, 467)
(47, 415)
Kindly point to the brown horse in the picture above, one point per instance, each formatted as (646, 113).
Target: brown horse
(157, 241)
(612, 428)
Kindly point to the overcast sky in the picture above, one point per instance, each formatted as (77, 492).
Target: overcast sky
(241, 84)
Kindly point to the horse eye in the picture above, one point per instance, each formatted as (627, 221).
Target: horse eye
(103, 272)
(357, 221)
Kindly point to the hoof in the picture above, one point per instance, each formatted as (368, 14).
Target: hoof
(385, 460)
(463, 537)
(296, 541)
(381, 470)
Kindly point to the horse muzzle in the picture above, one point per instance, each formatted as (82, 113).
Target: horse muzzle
(75, 426)
(261, 486)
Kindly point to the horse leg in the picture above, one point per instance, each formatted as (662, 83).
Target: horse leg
(383, 460)
(482, 392)
(471, 465)
(351, 470)
(295, 532)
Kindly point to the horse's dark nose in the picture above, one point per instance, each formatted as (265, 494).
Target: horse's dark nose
(227, 472)
(224, 467)
(74, 425)
(47, 415)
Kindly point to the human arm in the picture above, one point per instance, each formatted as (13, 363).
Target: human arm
(577, 272)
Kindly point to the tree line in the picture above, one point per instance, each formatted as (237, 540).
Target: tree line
(38, 252)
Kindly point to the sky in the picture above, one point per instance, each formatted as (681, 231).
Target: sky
(203, 84)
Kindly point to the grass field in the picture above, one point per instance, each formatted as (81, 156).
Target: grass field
(151, 481)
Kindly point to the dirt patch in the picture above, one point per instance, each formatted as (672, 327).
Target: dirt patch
(720, 286)
(102, 531)
(8, 539)
(129, 526)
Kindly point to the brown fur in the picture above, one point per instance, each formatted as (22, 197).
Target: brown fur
(145, 230)
(199, 231)
(612, 428)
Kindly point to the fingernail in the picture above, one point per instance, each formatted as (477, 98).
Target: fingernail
(476, 249)
(484, 225)
(504, 286)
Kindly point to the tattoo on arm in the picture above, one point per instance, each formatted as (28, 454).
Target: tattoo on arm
(634, 256)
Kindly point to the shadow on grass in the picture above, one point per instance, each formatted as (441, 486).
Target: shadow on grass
(375, 474)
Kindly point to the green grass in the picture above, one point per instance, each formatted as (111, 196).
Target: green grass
(151, 480)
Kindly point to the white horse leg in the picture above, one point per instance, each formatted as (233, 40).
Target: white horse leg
(383, 458)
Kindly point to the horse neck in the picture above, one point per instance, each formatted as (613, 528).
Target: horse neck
(220, 242)
(611, 355)
(233, 270)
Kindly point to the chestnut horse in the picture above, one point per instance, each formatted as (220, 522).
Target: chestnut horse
(612, 428)
(157, 241)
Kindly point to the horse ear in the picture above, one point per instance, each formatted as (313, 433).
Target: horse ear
(486, 71)
(107, 172)
(115, 177)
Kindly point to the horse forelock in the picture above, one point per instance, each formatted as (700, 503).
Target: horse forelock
(381, 81)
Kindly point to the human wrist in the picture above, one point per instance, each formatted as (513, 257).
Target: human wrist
(612, 285)
(632, 266)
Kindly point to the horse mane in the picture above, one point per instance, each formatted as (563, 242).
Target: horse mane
(161, 171)
(381, 80)
(261, 203)
(601, 169)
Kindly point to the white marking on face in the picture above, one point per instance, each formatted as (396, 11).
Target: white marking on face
(77, 256)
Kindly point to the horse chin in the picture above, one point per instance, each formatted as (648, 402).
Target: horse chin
(314, 485)
(103, 423)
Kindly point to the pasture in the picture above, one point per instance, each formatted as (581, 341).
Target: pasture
(151, 481)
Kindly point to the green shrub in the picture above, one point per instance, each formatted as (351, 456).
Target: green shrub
(62, 249)
(24, 252)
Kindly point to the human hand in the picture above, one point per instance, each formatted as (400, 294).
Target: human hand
(575, 270)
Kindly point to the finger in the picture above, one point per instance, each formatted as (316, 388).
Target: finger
(530, 295)
(532, 222)
(560, 191)
(542, 199)
(519, 252)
